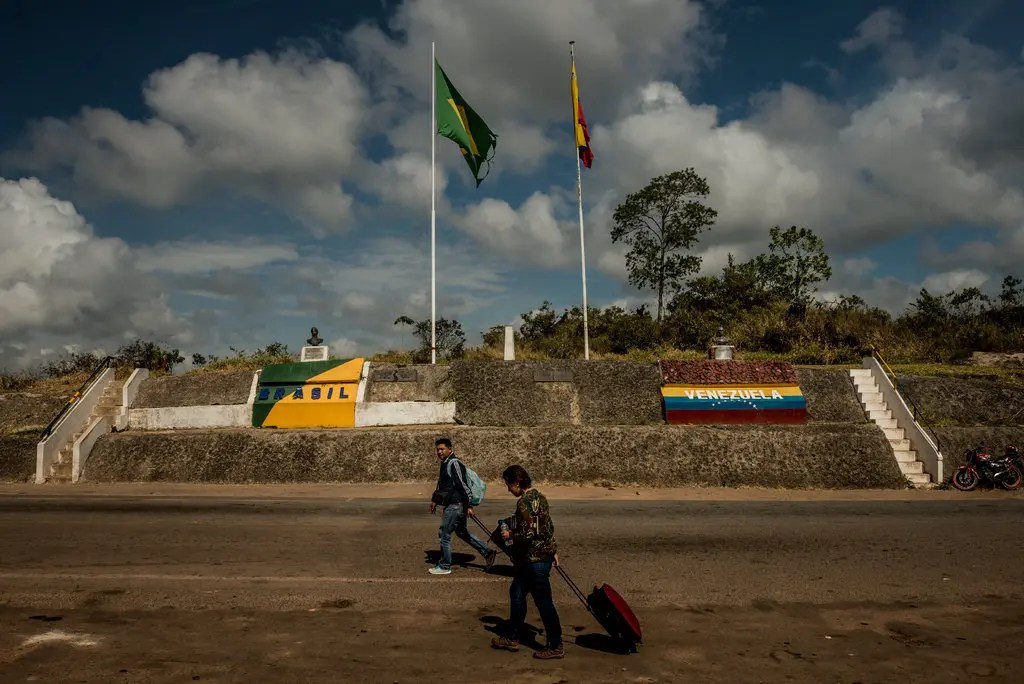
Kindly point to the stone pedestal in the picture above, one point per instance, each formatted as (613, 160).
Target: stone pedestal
(722, 352)
(510, 344)
(319, 353)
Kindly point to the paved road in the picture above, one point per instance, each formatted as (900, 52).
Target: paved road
(216, 588)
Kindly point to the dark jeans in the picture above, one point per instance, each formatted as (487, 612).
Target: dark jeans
(535, 579)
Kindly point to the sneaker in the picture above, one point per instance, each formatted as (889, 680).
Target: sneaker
(504, 644)
(438, 570)
(550, 653)
(489, 559)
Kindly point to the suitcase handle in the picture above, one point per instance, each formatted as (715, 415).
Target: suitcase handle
(568, 580)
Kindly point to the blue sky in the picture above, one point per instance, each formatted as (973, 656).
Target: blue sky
(213, 174)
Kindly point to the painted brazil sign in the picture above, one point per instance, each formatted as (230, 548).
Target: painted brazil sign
(309, 394)
(708, 392)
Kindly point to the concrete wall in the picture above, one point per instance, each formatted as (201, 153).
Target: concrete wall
(954, 441)
(190, 417)
(830, 395)
(920, 442)
(369, 414)
(510, 393)
(211, 388)
(823, 455)
(48, 449)
(25, 411)
(431, 383)
(18, 458)
(965, 402)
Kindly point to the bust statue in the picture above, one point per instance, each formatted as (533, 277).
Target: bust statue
(314, 337)
(722, 348)
(721, 339)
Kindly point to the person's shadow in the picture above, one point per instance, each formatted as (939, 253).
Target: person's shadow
(528, 638)
(467, 560)
(433, 557)
(594, 641)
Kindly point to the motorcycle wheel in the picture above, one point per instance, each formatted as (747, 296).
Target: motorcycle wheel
(965, 479)
(1013, 479)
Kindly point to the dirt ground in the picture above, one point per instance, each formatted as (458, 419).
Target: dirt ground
(141, 583)
(766, 642)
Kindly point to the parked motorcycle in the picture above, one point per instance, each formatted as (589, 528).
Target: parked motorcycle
(980, 467)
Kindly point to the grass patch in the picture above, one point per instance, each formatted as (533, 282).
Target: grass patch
(253, 362)
(1000, 374)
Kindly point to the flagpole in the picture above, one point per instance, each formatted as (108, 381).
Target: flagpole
(433, 206)
(579, 201)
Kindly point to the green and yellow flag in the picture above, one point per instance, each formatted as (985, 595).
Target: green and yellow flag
(457, 121)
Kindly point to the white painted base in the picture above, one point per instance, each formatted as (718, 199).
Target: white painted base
(379, 413)
(320, 353)
(190, 417)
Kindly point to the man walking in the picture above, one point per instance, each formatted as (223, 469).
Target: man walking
(452, 495)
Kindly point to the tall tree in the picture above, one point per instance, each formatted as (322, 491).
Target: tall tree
(451, 340)
(660, 223)
(795, 263)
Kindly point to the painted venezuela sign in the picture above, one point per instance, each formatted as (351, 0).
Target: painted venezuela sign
(731, 392)
(309, 394)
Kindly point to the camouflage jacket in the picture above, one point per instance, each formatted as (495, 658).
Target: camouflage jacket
(533, 532)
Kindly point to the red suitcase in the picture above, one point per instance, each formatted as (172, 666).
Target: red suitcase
(604, 603)
(612, 611)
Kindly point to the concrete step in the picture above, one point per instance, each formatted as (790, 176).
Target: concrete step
(860, 372)
(900, 444)
(876, 414)
(920, 478)
(865, 383)
(893, 432)
(875, 406)
(905, 456)
(871, 398)
(61, 471)
(911, 467)
(887, 423)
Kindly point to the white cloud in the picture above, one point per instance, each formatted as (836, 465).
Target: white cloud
(274, 127)
(942, 283)
(404, 180)
(530, 234)
(881, 27)
(857, 266)
(937, 145)
(201, 256)
(343, 347)
(511, 61)
(58, 280)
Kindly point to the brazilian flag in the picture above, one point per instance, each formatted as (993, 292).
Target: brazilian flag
(457, 121)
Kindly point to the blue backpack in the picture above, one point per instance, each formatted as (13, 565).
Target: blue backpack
(477, 487)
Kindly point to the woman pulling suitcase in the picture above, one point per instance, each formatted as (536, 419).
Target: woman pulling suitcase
(531, 535)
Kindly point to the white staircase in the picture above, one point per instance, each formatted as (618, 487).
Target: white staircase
(110, 401)
(874, 405)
